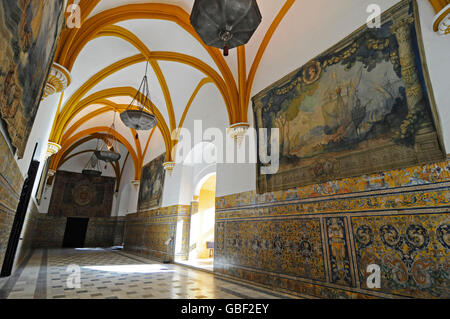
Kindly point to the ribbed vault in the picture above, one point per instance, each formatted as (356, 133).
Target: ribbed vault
(94, 98)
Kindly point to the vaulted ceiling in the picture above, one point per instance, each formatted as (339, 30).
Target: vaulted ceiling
(107, 58)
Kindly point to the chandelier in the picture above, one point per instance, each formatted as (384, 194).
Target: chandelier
(108, 148)
(225, 24)
(136, 116)
(92, 167)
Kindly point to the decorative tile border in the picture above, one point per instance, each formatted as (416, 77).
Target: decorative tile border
(408, 177)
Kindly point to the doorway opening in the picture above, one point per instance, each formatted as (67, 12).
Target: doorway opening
(201, 241)
(75, 234)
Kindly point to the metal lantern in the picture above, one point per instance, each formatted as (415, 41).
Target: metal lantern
(108, 150)
(136, 116)
(108, 156)
(92, 167)
(225, 24)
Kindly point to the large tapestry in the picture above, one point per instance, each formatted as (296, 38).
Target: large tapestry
(152, 184)
(29, 30)
(361, 107)
(78, 195)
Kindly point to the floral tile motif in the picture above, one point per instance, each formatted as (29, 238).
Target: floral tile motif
(402, 223)
(288, 246)
(413, 252)
(147, 232)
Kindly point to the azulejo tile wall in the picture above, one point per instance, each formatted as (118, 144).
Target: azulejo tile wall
(290, 246)
(28, 231)
(413, 250)
(11, 182)
(147, 232)
(318, 240)
(101, 232)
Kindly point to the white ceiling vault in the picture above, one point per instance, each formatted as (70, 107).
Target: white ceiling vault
(288, 37)
(184, 82)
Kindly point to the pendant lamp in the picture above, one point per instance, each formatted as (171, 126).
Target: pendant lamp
(139, 114)
(108, 148)
(225, 24)
(92, 167)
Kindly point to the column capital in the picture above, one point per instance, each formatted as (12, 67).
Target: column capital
(237, 131)
(441, 21)
(58, 80)
(52, 149)
(169, 167)
(136, 182)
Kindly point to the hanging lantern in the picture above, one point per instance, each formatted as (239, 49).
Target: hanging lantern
(225, 24)
(136, 116)
(108, 150)
(92, 167)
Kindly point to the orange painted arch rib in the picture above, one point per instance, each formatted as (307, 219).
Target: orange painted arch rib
(144, 11)
(69, 142)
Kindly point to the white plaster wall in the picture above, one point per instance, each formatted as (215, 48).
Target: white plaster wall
(181, 186)
(207, 111)
(156, 147)
(128, 193)
(40, 133)
(437, 51)
(45, 201)
(174, 185)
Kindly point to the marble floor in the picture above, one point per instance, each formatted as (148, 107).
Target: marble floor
(108, 274)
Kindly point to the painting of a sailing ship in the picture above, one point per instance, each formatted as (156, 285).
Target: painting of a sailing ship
(341, 111)
(152, 184)
(359, 108)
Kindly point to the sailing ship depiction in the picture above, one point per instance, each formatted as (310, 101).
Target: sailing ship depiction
(339, 111)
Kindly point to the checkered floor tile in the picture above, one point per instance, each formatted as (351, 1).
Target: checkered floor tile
(107, 274)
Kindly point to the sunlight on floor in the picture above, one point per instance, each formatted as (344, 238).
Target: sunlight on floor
(205, 263)
(141, 269)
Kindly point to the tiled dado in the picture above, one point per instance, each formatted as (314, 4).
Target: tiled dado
(102, 232)
(11, 182)
(146, 233)
(320, 246)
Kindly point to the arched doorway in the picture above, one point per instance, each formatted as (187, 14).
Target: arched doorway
(201, 241)
(194, 244)
(202, 224)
